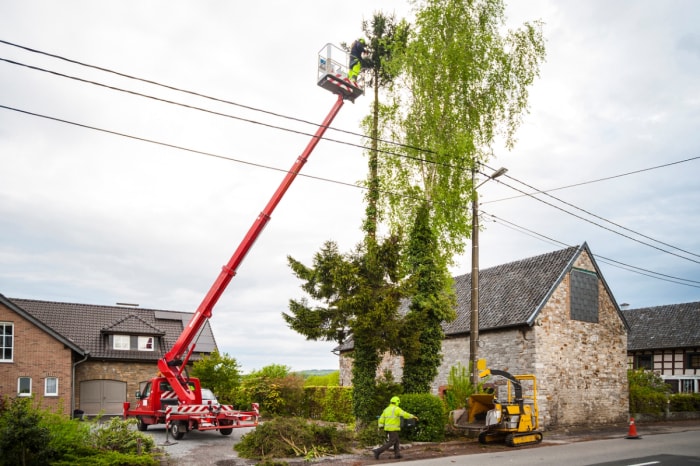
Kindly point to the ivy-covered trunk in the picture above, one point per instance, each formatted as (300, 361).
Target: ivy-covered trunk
(364, 370)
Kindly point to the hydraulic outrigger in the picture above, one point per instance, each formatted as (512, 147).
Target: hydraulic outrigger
(183, 392)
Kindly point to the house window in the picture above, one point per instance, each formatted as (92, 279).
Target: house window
(584, 295)
(687, 386)
(24, 386)
(122, 342)
(51, 386)
(644, 361)
(145, 343)
(693, 361)
(6, 341)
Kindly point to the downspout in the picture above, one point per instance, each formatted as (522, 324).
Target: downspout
(72, 383)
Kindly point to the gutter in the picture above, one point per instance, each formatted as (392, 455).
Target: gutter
(72, 382)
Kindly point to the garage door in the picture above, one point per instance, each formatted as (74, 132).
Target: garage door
(106, 396)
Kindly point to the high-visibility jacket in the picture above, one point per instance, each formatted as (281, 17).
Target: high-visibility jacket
(390, 419)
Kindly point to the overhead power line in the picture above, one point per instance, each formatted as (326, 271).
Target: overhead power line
(309, 134)
(532, 196)
(231, 159)
(607, 260)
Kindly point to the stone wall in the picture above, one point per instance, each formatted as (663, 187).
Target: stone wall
(581, 366)
(37, 355)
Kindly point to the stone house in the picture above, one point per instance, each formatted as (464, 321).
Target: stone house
(85, 357)
(666, 339)
(553, 316)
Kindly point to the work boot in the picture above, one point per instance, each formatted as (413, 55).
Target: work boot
(376, 454)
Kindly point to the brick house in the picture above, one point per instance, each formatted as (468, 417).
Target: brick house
(553, 316)
(85, 357)
(666, 339)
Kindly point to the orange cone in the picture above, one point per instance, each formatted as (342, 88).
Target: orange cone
(632, 434)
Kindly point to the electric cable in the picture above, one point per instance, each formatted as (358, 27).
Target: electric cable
(337, 141)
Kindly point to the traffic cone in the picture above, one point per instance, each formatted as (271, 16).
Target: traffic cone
(632, 434)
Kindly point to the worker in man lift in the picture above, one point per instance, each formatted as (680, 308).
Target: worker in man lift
(356, 60)
(390, 421)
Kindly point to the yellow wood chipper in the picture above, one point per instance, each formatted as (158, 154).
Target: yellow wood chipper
(512, 420)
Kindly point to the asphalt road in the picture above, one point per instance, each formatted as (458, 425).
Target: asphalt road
(674, 449)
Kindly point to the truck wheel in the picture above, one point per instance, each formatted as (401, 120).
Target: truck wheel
(227, 431)
(140, 425)
(178, 429)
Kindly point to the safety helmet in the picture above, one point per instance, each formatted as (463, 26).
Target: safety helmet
(362, 41)
(395, 400)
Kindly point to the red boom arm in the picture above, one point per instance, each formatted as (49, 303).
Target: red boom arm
(172, 364)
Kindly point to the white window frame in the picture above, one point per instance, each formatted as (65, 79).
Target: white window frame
(3, 339)
(19, 386)
(48, 392)
(143, 343)
(121, 342)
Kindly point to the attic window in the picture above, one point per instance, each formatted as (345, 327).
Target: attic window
(121, 342)
(584, 295)
(145, 343)
(133, 342)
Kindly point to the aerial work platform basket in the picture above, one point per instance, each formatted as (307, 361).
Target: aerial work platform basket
(333, 73)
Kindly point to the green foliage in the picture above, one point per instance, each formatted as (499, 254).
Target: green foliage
(119, 435)
(327, 380)
(292, 437)
(684, 402)
(23, 440)
(52, 438)
(69, 437)
(459, 389)
(648, 392)
(330, 282)
(106, 458)
(279, 392)
(360, 294)
(219, 373)
(387, 42)
(432, 303)
(431, 412)
(369, 435)
(331, 404)
(464, 89)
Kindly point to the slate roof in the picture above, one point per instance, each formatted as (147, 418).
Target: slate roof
(511, 294)
(85, 326)
(662, 327)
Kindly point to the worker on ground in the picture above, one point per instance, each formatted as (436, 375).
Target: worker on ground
(356, 60)
(390, 421)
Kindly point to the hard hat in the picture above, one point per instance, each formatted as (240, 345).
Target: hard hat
(395, 400)
(362, 41)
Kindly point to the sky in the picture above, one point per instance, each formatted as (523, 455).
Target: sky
(114, 197)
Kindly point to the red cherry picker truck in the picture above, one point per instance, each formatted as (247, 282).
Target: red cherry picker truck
(173, 397)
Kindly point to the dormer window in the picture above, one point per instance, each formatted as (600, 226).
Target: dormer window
(145, 343)
(133, 342)
(122, 342)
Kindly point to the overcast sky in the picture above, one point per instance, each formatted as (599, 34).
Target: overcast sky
(93, 217)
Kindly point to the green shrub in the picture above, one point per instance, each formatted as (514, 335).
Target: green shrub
(292, 437)
(68, 436)
(431, 412)
(23, 440)
(682, 402)
(648, 392)
(279, 392)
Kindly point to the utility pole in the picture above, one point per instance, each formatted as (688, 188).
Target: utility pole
(474, 321)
